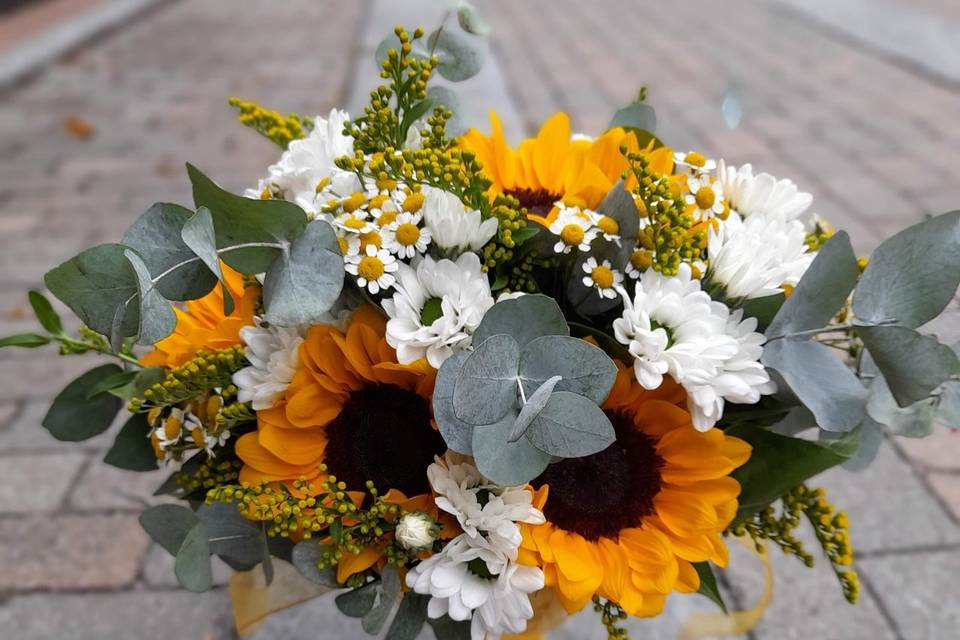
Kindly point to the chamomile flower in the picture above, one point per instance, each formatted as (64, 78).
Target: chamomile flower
(609, 228)
(761, 194)
(602, 277)
(695, 162)
(373, 268)
(354, 220)
(706, 196)
(640, 261)
(575, 228)
(405, 237)
(274, 355)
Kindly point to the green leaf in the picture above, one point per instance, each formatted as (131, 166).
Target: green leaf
(912, 276)
(911, 421)
(306, 554)
(822, 290)
(868, 446)
(820, 381)
(113, 382)
(571, 426)
(522, 235)
(96, 284)
(305, 280)
(418, 50)
(912, 363)
(763, 309)
(779, 463)
(131, 449)
(231, 535)
(192, 565)
(635, 116)
(585, 369)
(142, 380)
(74, 416)
(168, 525)
(486, 388)
(410, 618)
(446, 629)
(524, 318)
(456, 433)
(608, 343)
(157, 319)
(460, 57)
(388, 597)
(242, 221)
(447, 97)
(507, 463)
(42, 308)
(356, 603)
(470, 19)
(156, 236)
(24, 340)
(532, 408)
(708, 584)
(199, 236)
(414, 113)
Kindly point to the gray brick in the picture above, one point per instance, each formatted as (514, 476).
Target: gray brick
(37, 482)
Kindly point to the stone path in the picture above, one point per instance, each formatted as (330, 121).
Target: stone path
(874, 138)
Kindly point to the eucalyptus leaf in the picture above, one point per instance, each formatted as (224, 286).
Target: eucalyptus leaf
(912, 421)
(763, 309)
(532, 408)
(156, 236)
(470, 19)
(232, 535)
(486, 387)
(306, 280)
(637, 115)
(871, 439)
(571, 426)
(456, 433)
(912, 276)
(131, 449)
(356, 603)
(25, 341)
(948, 405)
(157, 319)
(259, 227)
(912, 363)
(388, 597)
(446, 97)
(168, 525)
(708, 584)
(410, 618)
(192, 565)
(74, 415)
(822, 290)
(584, 368)
(110, 383)
(524, 318)
(47, 317)
(96, 284)
(460, 57)
(446, 629)
(820, 381)
(198, 234)
(507, 463)
(306, 555)
(142, 380)
(418, 49)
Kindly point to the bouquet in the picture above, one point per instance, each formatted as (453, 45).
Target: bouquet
(481, 387)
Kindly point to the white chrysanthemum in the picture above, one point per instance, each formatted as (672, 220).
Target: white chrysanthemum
(436, 308)
(274, 355)
(575, 227)
(602, 277)
(761, 194)
(405, 237)
(672, 327)
(374, 268)
(469, 580)
(481, 507)
(754, 257)
(453, 226)
(706, 196)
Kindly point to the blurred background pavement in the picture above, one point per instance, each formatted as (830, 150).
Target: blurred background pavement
(102, 101)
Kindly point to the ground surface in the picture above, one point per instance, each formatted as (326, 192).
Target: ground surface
(869, 128)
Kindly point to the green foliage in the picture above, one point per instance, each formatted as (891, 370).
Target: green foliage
(75, 415)
(389, 592)
(912, 364)
(458, 56)
(157, 319)
(410, 618)
(524, 318)
(358, 602)
(637, 115)
(708, 584)
(131, 449)
(307, 555)
(507, 463)
(48, 318)
(487, 385)
(446, 629)
(25, 341)
(470, 19)
(570, 426)
(199, 236)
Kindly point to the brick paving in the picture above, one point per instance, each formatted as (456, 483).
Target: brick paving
(877, 142)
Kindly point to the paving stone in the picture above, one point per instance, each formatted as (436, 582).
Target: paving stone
(7, 411)
(37, 482)
(103, 486)
(919, 591)
(940, 450)
(144, 615)
(158, 569)
(70, 552)
(947, 487)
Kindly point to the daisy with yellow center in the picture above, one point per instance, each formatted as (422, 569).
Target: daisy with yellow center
(354, 221)
(575, 229)
(628, 523)
(640, 261)
(405, 237)
(603, 277)
(695, 162)
(704, 198)
(374, 268)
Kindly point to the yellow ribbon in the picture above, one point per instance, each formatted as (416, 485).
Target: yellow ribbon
(708, 625)
(254, 600)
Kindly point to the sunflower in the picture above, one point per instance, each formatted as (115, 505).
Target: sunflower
(627, 523)
(202, 326)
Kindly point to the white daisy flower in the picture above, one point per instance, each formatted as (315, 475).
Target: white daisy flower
(695, 162)
(761, 194)
(354, 221)
(603, 277)
(405, 237)
(468, 580)
(754, 257)
(374, 269)
(576, 229)
(436, 308)
(706, 195)
(481, 507)
(453, 227)
(274, 355)
(673, 327)
(608, 227)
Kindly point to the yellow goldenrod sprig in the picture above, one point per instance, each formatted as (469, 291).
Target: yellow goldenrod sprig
(206, 371)
(611, 614)
(212, 472)
(280, 129)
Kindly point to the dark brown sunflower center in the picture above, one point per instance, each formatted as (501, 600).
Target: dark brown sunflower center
(383, 434)
(598, 495)
(536, 201)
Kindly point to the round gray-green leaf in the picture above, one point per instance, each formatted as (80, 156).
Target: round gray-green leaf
(306, 555)
(912, 363)
(199, 235)
(507, 463)
(486, 388)
(456, 433)
(192, 566)
(417, 50)
(524, 318)
(157, 319)
(168, 525)
(470, 19)
(584, 368)
(635, 116)
(356, 603)
(532, 408)
(459, 55)
(74, 415)
(912, 421)
(571, 426)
